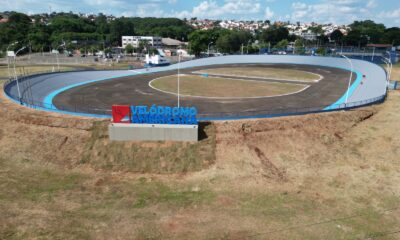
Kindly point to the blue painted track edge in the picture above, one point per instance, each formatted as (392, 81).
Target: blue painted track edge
(48, 100)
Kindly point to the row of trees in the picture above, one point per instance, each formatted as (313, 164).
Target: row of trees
(365, 32)
(77, 32)
(230, 41)
(100, 32)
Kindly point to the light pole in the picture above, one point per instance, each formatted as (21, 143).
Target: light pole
(351, 77)
(391, 65)
(373, 54)
(385, 60)
(15, 73)
(208, 51)
(8, 61)
(58, 52)
(179, 62)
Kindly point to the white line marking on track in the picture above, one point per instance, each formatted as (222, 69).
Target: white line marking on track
(320, 77)
(141, 92)
(183, 95)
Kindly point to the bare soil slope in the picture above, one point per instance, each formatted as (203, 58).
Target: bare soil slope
(324, 176)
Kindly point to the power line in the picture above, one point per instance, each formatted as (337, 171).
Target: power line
(321, 222)
(382, 234)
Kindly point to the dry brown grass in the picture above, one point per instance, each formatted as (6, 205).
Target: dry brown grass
(396, 73)
(149, 157)
(264, 72)
(325, 176)
(26, 70)
(193, 85)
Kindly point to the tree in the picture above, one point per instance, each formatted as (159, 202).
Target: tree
(99, 30)
(121, 27)
(392, 36)
(274, 34)
(282, 44)
(144, 45)
(129, 49)
(336, 36)
(354, 38)
(369, 28)
(198, 41)
(317, 30)
(16, 29)
(101, 24)
(299, 46)
(232, 41)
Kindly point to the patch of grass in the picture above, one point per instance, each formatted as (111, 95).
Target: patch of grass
(369, 224)
(40, 185)
(153, 193)
(194, 85)
(280, 207)
(149, 233)
(158, 157)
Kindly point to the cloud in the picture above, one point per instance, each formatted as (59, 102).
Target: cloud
(268, 13)
(113, 3)
(371, 4)
(339, 11)
(390, 14)
(211, 9)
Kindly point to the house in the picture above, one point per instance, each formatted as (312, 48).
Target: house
(170, 43)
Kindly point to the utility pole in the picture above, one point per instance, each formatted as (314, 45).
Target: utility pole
(15, 74)
(208, 51)
(8, 61)
(351, 77)
(179, 62)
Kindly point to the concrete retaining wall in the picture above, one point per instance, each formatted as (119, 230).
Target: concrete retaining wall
(153, 132)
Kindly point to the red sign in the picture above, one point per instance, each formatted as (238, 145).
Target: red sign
(121, 114)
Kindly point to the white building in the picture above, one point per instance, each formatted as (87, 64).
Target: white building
(155, 42)
(310, 36)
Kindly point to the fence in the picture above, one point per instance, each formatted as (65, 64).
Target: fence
(373, 89)
(28, 101)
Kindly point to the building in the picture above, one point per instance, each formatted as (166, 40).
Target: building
(172, 43)
(155, 42)
(310, 36)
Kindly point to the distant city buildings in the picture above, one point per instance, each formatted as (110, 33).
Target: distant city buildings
(308, 31)
(304, 30)
(309, 36)
(207, 24)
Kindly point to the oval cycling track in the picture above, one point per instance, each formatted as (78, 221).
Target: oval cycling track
(98, 97)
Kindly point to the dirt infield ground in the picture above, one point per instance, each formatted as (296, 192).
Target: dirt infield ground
(325, 176)
(264, 73)
(193, 85)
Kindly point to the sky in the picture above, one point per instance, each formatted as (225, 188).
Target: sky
(321, 11)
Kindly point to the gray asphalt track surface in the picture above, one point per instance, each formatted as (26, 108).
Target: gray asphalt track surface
(135, 90)
(72, 92)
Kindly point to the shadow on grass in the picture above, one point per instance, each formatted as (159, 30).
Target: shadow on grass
(202, 130)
